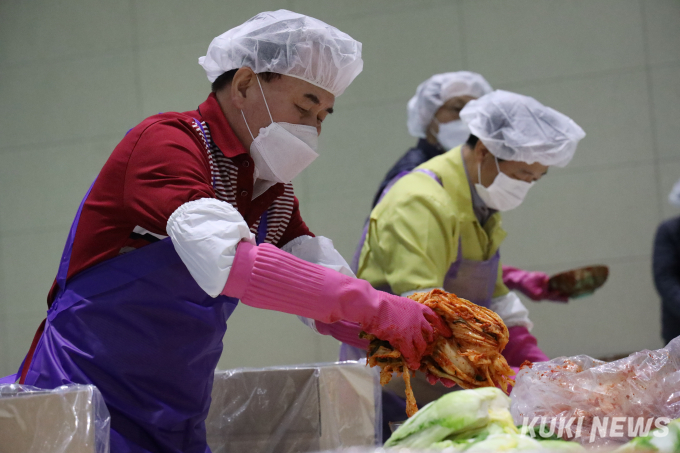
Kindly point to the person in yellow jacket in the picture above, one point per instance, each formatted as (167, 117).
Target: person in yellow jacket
(440, 225)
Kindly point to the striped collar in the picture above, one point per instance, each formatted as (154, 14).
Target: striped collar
(222, 134)
(229, 181)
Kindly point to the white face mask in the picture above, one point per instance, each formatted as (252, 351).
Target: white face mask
(452, 134)
(282, 150)
(504, 193)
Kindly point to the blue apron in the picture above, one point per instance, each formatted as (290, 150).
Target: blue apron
(139, 328)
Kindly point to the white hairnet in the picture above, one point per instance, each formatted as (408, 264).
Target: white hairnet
(519, 128)
(435, 91)
(287, 43)
(674, 196)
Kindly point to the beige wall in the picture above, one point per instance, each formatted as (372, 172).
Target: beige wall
(75, 75)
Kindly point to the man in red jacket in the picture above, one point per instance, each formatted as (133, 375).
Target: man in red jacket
(187, 217)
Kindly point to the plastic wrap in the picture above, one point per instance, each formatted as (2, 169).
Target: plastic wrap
(608, 400)
(68, 419)
(295, 409)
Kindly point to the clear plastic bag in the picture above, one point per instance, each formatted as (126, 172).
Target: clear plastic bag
(642, 388)
(69, 419)
(293, 409)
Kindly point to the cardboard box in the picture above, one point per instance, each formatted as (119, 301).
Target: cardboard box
(295, 409)
(69, 419)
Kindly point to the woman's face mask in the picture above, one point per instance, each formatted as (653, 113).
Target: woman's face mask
(504, 193)
(452, 134)
(282, 150)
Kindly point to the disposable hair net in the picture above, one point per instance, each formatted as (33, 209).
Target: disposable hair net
(435, 91)
(287, 43)
(519, 128)
(674, 196)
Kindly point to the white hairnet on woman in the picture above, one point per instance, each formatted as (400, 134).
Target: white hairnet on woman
(435, 91)
(519, 128)
(287, 43)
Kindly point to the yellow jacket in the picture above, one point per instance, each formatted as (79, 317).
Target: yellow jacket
(414, 232)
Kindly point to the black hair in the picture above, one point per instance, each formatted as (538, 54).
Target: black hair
(226, 78)
(471, 141)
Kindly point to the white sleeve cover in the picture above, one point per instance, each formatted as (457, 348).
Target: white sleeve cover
(318, 250)
(511, 310)
(205, 234)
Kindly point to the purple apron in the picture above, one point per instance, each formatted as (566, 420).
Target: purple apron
(140, 328)
(469, 279)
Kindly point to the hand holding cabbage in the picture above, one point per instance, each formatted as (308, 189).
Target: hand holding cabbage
(471, 358)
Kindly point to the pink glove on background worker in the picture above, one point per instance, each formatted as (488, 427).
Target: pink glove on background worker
(533, 284)
(265, 277)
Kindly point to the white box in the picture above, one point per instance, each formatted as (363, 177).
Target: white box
(295, 409)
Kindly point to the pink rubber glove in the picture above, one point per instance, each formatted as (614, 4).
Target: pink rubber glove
(345, 331)
(432, 379)
(265, 277)
(533, 284)
(522, 346)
